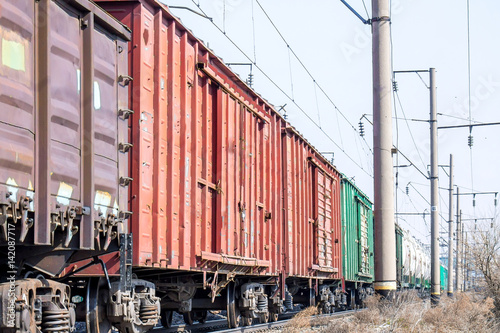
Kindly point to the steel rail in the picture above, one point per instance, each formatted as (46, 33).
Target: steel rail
(220, 326)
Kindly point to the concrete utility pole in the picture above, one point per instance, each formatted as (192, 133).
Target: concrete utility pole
(435, 273)
(385, 239)
(464, 256)
(450, 233)
(458, 271)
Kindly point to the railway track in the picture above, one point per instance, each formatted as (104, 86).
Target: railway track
(220, 326)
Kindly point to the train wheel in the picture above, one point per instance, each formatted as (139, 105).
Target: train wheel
(97, 301)
(166, 318)
(273, 316)
(312, 297)
(247, 321)
(201, 316)
(188, 317)
(233, 312)
(352, 302)
(264, 318)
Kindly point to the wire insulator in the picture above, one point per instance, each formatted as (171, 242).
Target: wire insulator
(394, 86)
(361, 129)
(407, 190)
(250, 80)
(470, 141)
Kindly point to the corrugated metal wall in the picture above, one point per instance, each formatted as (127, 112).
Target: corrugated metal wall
(357, 226)
(60, 96)
(202, 156)
(312, 211)
(217, 183)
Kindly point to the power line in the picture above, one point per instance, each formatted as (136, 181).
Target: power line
(413, 165)
(253, 30)
(303, 66)
(291, 76)
(468, 59)
(290, 50)
(448, 115)
(397, 138)
(425, 84)
(284, 93)
(470, 109)
(427, 201)
(317, 104)
(366, 10)
(409, 130)
(425, 221)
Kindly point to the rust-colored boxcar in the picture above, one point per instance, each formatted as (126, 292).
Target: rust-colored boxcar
(201, 157)
(223, 188)
(60, 94)
(63, 165)
(311, 194)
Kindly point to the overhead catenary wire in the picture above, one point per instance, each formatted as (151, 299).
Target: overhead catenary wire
(409, 130)
(469, 90)
(291, 73)
(290, 50)
(397, 140)
(468, 61)
(427, 201)
(253, 32)
(366, 9)
(223, 17)
(285, 93)
(425, 84)
(317, 104)
(413, 204)
(459, 118)
(304, 66)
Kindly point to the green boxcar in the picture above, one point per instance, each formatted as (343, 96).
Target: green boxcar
(399, 256)
(444, 278)
(357, 231)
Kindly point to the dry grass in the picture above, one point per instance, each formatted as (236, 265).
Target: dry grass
(408, 313)
(301, 321)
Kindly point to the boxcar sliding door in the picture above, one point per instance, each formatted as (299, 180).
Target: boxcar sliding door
(323, 211)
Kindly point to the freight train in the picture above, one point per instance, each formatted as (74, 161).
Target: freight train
(140, 176)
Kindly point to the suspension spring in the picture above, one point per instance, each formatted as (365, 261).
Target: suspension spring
(262, 304)
(288, 300)
(331, 298)
(55, 321)
(148, 312)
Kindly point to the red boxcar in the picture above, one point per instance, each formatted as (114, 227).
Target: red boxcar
(64, 168)
(312, 203)
(223, 188)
